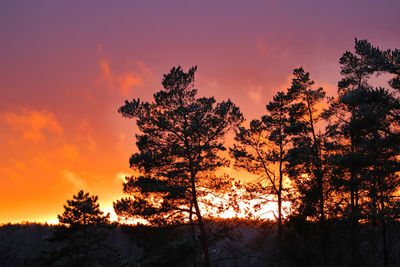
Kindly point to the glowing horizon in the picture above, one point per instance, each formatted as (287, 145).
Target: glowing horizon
(67, 67)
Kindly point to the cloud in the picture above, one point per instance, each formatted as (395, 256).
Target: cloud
(124, 82)
(255, 94)
(121, 141)
(87, 136)
(68, 151)
(261, 47)
(213, 84)
(74, 179)
(127, 81)
(106, 76)
(89, 96)
(278, 49)
(32, 124)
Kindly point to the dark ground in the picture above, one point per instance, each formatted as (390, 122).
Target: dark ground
(232, 243)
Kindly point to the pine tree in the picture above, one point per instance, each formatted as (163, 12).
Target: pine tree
(179, 147)
(82, 210)
(347, 158)
(261, 150)
(364, 134)
(305, 158)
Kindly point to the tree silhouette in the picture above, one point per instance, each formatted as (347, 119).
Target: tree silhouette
(347, 157)
(178, 152)
(363, 132)
(82, 210)
(261, 149)
(305, 158)
(306, 167)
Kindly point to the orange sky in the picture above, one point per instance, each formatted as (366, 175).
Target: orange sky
(65, 68)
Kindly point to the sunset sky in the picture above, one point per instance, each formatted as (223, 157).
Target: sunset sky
(66, 67)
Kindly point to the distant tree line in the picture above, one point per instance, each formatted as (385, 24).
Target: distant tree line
(335, 159)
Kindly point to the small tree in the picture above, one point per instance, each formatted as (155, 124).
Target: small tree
(84, 210)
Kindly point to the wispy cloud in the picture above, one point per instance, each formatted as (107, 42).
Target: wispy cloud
(123, 82)
(68, 151)
(213, 84)
(32, 124)
(261, 47)
(74, 179)
(255, 94)
(121, 141)
(87, 135)
(274, 49)
(126, 81)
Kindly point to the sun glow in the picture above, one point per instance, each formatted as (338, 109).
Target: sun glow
(260, 207)
(53, 221)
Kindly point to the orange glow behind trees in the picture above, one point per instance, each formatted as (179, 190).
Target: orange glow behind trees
(63, 77)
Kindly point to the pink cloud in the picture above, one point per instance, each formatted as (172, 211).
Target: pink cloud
(280, 49)
(123, 82)
(261, 47)
(255, 94)
(32, 124)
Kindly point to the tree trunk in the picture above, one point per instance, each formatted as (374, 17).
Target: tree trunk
(384, 241)
(354, 231)
(203, 235)
(280, 210)
(354, 221)
(192, 226)
(320, 183)
(279, 229)
(354, 210)
(383, 222)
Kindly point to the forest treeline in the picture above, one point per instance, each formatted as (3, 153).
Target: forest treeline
(331, 158)
(334, 159)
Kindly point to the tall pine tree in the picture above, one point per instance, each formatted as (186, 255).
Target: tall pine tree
(305, 158)
(364, 134)
(261, 150)
(181, 137)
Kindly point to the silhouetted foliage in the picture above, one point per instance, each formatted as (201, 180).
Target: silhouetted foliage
(84, 210)
(243, 243)
(343, 182)
(178, 152)
(305, 158)
(364, 142)
(35, 244)
(261, 149)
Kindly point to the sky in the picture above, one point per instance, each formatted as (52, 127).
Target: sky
(67, 66)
